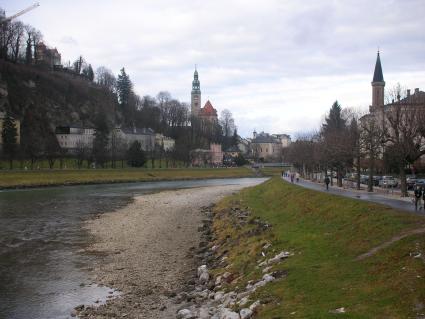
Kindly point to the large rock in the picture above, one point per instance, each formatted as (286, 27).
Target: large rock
(202, 269)
(245, 313)
(226, 313)
(185, 314)
(203, 274)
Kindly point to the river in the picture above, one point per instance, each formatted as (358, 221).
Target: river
(42, 272)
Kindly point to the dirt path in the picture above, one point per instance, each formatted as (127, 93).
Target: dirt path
(388, 243)
(147, 250)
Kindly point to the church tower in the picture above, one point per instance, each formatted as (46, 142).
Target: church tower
(378, 86)
(196, 94)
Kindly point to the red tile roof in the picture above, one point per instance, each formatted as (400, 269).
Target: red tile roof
(208, 110)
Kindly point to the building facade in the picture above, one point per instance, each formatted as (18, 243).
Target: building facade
(268, 147)
(167, 143)
(408, 105)
(73, 137)
(47, 56)
(207, 157)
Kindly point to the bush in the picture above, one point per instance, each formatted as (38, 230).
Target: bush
(135, 155)
(240, 160)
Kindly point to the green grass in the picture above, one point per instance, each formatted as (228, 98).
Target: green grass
(272, 171)
(69, 163)
(9, 179)
(326, 233)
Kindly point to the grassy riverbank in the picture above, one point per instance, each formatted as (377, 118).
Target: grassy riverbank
(326, 234)
(12, 179)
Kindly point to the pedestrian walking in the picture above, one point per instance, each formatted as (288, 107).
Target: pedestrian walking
(418, 195)
(327, 181)
(292, 177)
(297, 175)
(423, 197)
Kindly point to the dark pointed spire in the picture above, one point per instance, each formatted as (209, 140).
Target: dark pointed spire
(377, 75)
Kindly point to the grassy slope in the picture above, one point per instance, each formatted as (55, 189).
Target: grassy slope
(54, 177)
(271, 171)
(326, 233)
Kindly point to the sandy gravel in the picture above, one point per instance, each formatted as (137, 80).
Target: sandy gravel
(146, 250)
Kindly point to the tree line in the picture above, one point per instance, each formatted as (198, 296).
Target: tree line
(162, 113)
(388, 140)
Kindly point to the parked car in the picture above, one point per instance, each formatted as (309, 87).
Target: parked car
(364, 179)
(388, 181)
(420, 182)
(376, 180)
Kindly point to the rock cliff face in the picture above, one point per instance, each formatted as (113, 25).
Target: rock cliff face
(57, 97)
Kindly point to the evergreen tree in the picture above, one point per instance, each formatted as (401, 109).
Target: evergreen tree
(336, 138)
(28, 50)
(334, 121)
(33, 130)
(240, 160)
(235, 138)
(135, 155)
(90, 73)
(101, 140)
(9, 135)
(124, 88)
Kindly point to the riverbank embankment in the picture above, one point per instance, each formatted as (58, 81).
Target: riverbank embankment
(147, 250)
(281, 250)
(16, 179)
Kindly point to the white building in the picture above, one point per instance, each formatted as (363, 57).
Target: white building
(167, 143)
(145, 136)
(72, 137)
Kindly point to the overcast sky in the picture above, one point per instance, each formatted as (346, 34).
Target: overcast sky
(276, 65)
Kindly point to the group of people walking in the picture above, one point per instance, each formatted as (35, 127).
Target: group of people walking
(293, 176)
(419, 194)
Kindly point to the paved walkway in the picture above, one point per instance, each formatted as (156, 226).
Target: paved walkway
(404, 204)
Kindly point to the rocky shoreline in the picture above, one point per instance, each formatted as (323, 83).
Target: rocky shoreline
(206, 297)
(150, 251)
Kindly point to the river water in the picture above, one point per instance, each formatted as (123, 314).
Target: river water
(42, 273)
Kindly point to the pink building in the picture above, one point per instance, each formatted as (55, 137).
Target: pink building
(207, 157)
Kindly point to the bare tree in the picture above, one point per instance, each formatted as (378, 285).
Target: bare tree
(79, 65)
(371, 139)
(403, 132)
(105, 78)
(17, 39)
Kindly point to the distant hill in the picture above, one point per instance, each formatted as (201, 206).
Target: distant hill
(54, 96)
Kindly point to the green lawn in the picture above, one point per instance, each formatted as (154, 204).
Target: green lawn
(272, 171)
(70, 163)
(59, 177)
(326, 233)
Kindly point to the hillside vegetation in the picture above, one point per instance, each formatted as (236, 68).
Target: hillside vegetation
(55, 98)
(325, 235)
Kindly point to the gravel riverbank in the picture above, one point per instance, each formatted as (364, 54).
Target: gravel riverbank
(147, 251)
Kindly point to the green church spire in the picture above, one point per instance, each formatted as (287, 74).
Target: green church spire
(196, 85)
